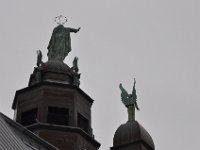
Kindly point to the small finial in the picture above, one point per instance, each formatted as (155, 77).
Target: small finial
(61, 20)
(75, 65)
(39, 58)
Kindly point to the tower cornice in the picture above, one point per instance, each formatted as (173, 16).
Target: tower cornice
(48, 83)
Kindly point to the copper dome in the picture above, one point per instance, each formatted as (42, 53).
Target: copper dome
(56, 66)
(132, 132)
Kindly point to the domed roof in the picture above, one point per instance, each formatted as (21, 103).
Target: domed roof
(56, 66)
(131, 132)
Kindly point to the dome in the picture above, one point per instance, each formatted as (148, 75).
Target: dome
(131, 132)
(56, 66)
(54, 71)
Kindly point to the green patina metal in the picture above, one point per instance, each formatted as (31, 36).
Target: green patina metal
(130, 101)
(75, 69)
(75, 65)
(39, 58)
(60, 43)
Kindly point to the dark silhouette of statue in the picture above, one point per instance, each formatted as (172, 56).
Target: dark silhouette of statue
(130, 101)
(60, 43)
(39, 58)
(75, 65)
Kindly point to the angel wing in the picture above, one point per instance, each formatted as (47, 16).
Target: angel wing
(124, 94)
(136, 106)
(134, 96)
(134, 91)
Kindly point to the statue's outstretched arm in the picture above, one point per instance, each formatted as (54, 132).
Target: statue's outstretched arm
(74, 30)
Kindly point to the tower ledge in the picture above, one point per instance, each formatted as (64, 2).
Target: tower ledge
(39, 127)
(53, 84)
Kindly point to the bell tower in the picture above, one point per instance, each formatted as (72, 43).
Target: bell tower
(53, 106)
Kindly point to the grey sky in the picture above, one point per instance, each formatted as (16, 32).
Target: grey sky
(155, 41)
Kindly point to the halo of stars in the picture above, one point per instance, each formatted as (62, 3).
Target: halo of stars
(61, 20)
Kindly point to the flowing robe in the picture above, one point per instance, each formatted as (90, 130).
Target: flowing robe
(60, 43)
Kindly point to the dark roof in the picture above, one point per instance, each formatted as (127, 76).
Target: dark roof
(56, 66)
(13, 136)
(132, 132)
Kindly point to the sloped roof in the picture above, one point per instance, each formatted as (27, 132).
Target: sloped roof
(13, 136)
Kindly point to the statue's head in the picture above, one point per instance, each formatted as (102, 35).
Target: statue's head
(60, 20)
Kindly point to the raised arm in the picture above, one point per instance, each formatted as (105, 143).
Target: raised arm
(74, 30)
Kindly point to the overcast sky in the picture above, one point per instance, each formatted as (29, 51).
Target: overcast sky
(156, 41)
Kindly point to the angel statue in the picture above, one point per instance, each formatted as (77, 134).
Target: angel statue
(130, 101)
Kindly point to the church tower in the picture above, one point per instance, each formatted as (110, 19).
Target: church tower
(53, 106)
(131, 135)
